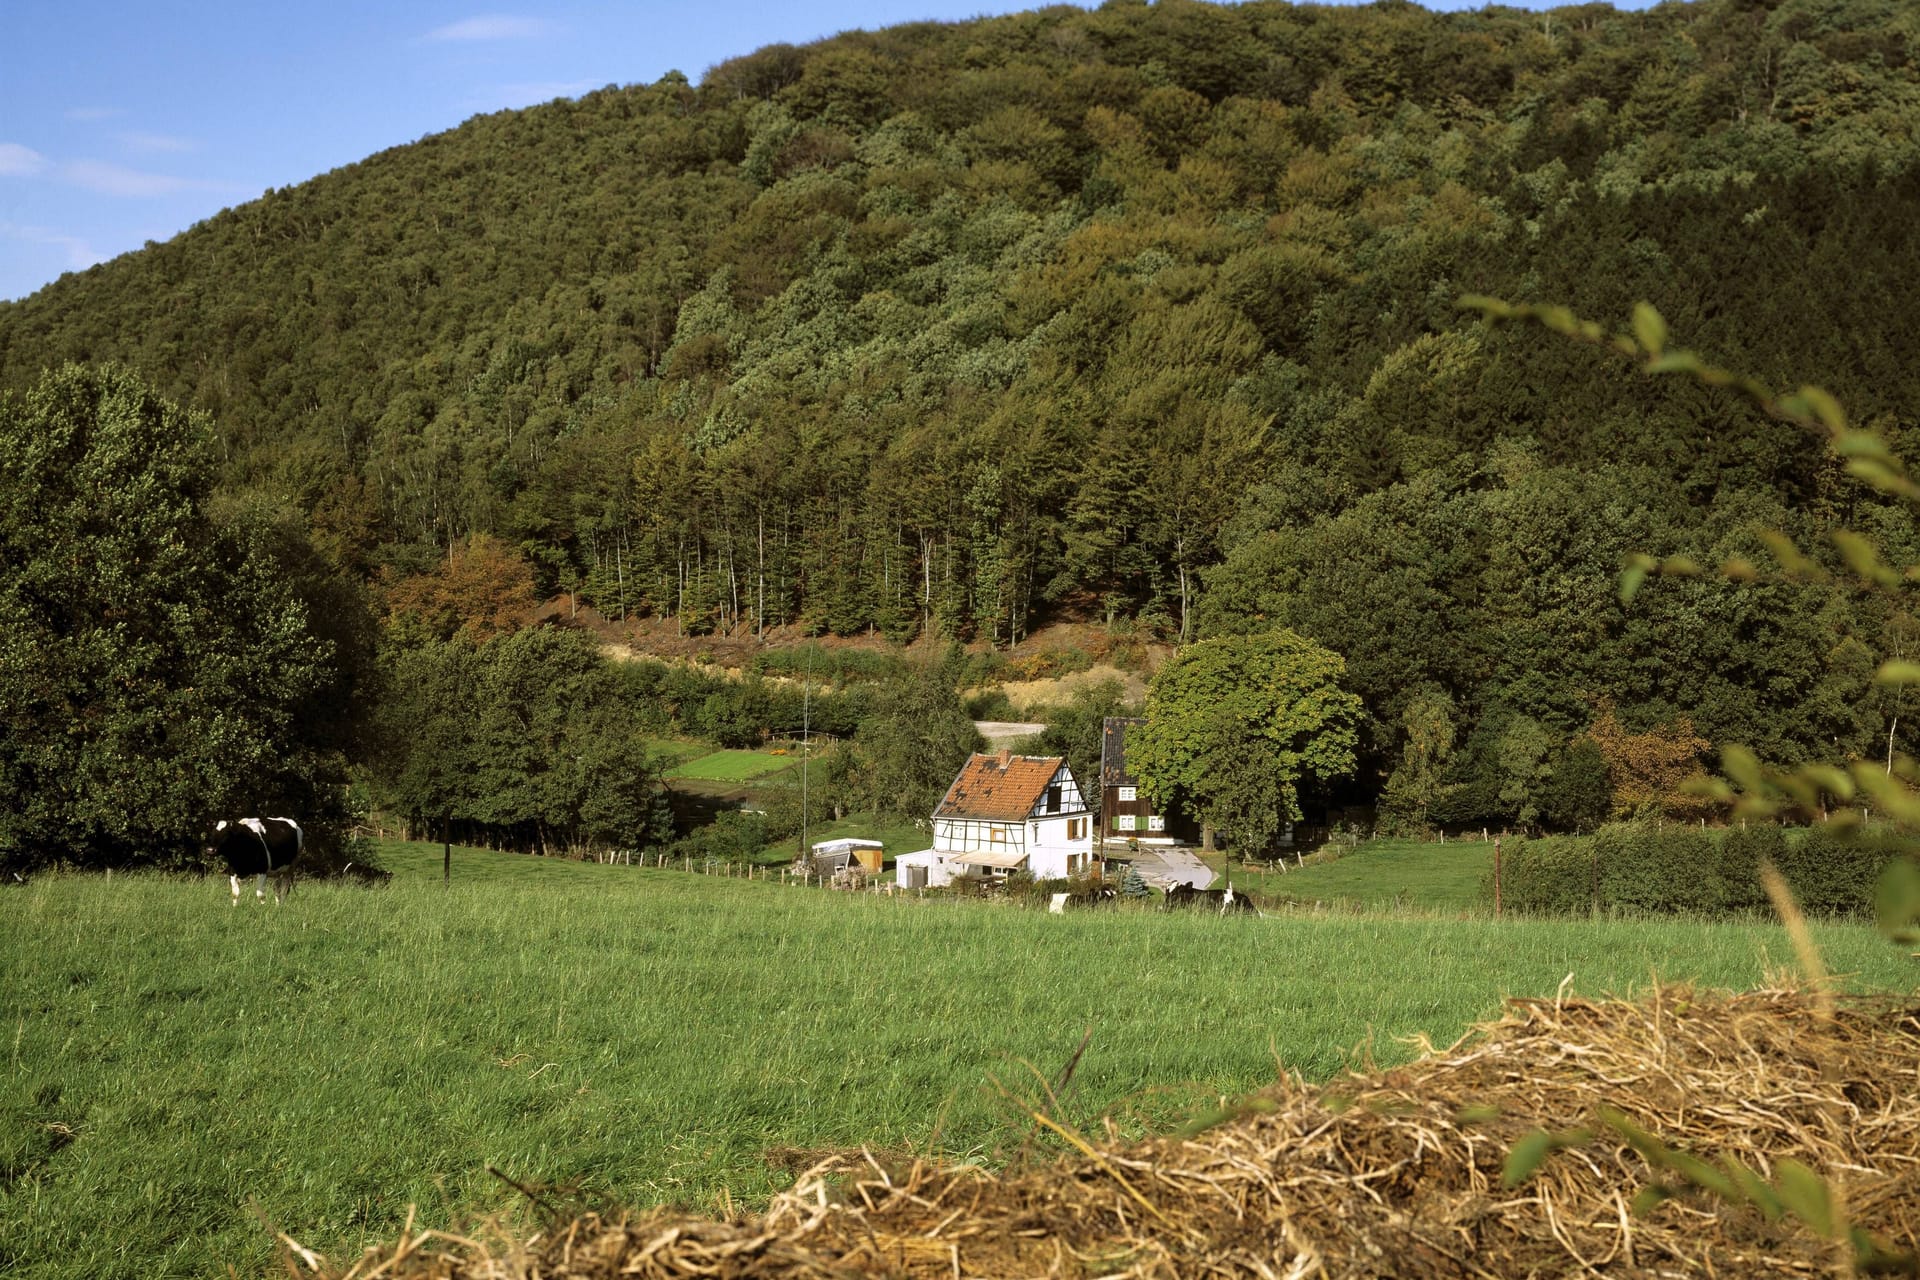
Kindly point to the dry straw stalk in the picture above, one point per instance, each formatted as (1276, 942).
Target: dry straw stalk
(1392, 1173)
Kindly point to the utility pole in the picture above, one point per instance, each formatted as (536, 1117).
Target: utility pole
(806, 727)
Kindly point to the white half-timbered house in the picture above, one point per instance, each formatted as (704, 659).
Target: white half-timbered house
(1006, 813)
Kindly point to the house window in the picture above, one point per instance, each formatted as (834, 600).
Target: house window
(1124, 822)
(996, 835)
(1155, 822)
(1076, 828)
(1129, 794)
(1053, 798)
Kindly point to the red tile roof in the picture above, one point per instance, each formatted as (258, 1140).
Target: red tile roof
(1004, 787)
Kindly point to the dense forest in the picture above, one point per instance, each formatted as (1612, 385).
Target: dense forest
(1146, 313)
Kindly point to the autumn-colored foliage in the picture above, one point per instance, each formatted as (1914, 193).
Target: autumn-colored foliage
(483, 588)
(1648, 771)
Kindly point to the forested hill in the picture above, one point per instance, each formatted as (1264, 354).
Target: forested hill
(1141, 312)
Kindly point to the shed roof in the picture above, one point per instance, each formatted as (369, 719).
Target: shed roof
(846, 845)
(1003, 786)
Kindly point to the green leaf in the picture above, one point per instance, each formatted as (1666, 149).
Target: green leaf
(1881, 476)
(1863, 444)
(1651, 1149)
(1676, 362)
(1898, 672)
(1825, 408)
(1830, 778)
(1888, 794)
(1526, 1156)
(1649, 1198)
(1743, 767)
(1703, 1175)
(1896, 899)
(1755, 1189)
(1805, 1194)
(1650, 328)
(1789, 556)
(1863, 558)
(1559, 319)
(1492, 308)
(1632, 578)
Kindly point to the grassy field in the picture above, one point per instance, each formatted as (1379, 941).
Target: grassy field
(1382, 874)
(677, 751)
(174, 1063)
(732, 766)
(413, 863)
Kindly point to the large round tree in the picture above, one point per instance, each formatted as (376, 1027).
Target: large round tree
(153, 665)
(1236, 725)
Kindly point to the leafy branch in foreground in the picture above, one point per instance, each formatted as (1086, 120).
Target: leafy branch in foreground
(1794, 1191)
(1753, 789)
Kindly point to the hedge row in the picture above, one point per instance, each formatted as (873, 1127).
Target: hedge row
(1686, 870)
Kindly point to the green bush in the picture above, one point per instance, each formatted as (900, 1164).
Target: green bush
(1675, 869)
(837, 665)
(1551, 876)
(992, 704)
(1657, 868)
(1741, 852)
(1833, 872)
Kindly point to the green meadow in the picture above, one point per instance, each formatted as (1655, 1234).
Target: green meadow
(733, 765)
(1382, 874)
(179, 1070)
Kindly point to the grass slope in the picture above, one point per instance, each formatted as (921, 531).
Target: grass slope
(415, 863)
(650, 1035)
(1419, 874)
(733, 766)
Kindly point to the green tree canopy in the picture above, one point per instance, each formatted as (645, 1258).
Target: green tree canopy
(531, 740)
(915, 740)
(1236, 726)
(152, 663)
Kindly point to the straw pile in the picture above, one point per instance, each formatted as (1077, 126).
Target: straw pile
(1394, 1173)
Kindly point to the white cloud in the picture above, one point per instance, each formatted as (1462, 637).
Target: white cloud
(491, 26)
(17, 161)
(138, 141)
(79, 254)
(118, 180)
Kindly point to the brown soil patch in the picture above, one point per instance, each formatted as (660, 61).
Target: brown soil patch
(661, 638)
(1393, 1173)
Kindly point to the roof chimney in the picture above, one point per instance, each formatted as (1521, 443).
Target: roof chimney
(1006, 756)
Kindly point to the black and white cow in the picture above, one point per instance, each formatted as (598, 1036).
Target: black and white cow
(1222, 901)
(259, 847)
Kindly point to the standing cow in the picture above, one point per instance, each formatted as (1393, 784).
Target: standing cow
(259, 847)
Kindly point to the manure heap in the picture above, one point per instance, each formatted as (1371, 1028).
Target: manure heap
(1390, 1173)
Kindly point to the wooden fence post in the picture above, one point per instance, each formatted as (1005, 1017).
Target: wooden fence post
(1496, 878)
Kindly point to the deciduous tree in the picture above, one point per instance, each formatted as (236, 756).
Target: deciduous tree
(151, 662)
(1236, 726)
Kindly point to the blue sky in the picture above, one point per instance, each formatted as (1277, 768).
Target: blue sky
(126, 122)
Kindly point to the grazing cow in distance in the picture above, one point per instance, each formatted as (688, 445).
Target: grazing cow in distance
(1220, 901)
(259, 847)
